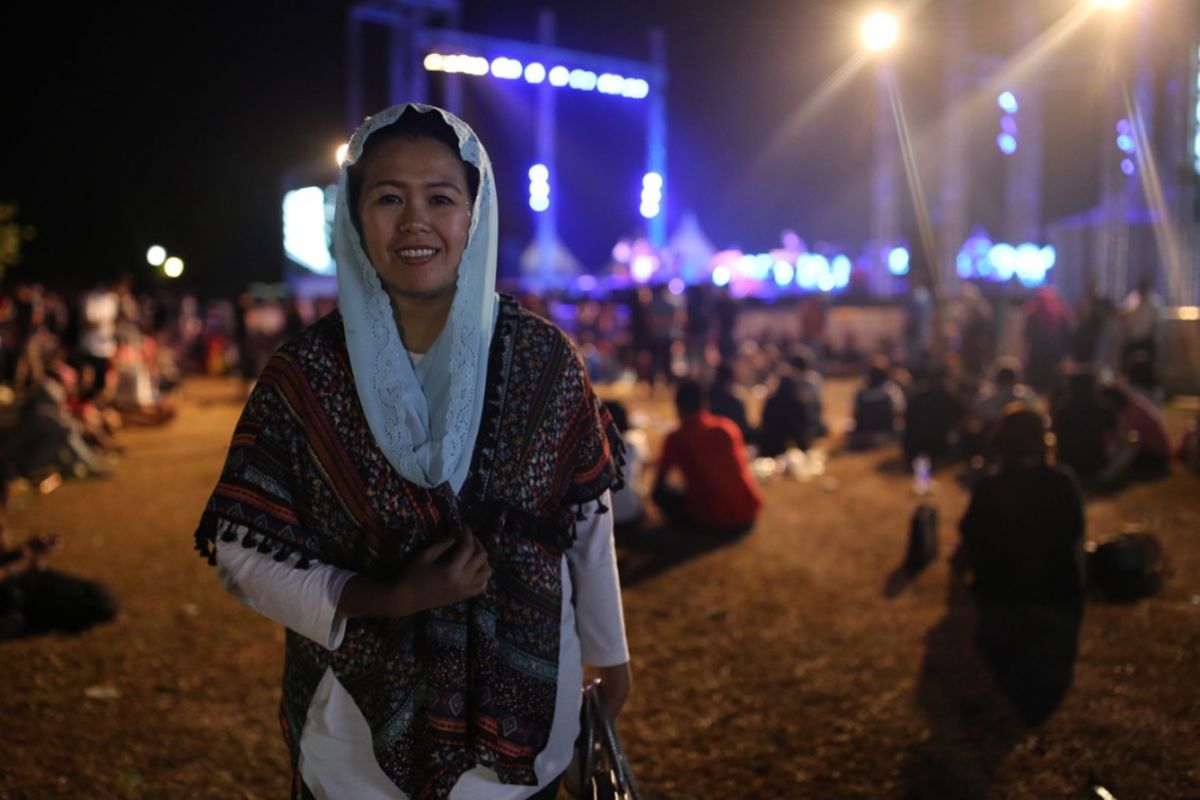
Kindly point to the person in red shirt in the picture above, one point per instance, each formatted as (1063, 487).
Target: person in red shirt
(719, 494)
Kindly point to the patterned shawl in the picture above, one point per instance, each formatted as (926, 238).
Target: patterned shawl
(459, 685)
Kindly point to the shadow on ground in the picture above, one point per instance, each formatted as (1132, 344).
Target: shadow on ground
(646, 552)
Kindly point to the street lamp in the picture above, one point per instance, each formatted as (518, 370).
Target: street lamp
(880, 31)
(156, 255)
(173, 267)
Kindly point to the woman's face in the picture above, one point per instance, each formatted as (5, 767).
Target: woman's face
(415, 214)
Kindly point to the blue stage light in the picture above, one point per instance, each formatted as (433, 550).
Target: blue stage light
(676, 286)
(582, 79)
(1007, 143)
(1128, 167)
(1009, 124)
(720, 276)
(1008, 103)
(539, 187)
(1124, 128)
(841, 272)
(964, 266)
(507, 68)
(649, 210)
(1003, 258)
(635, 88)
(898, 260)
(609, 83)
(535, 72)
(652, 180)
(1125, 143)
(785, 273)
(560, 76)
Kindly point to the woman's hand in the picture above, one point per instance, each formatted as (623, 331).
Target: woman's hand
(442, 573)
(616, 682)
(445, 572)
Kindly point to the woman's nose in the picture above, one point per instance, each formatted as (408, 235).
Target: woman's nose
(413, 218)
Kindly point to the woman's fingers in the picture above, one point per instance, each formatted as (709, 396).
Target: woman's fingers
(436, 550)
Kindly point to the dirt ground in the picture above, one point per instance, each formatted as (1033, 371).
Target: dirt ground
(791, 663)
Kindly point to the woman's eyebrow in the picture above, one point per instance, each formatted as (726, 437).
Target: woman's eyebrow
(405, 184)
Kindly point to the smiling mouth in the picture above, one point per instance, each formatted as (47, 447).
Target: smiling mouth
(416, 252)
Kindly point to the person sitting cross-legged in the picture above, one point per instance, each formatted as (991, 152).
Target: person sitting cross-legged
(719, 494)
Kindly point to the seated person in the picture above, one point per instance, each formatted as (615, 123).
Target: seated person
(811, 385)
(1006, 389)
(1141, 444)
(1140, 377)
(932, 419)
(784, 420)
(878, 408)
(719, 494)
(724, 403)
(1023, 536)
(989, 405)
(627, 501)
(1082, 424)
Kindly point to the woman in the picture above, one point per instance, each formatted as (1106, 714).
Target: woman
(417, 486)
(1023, 537)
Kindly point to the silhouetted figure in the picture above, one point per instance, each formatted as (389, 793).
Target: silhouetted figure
(1047, 329)
(724, 403)
(878, 407)
(1081, 425)
(811, 385)
(931, 424)
(784, 420)
(1092, 318)
(1023, 537)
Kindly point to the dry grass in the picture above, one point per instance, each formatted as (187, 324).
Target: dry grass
(772, 667)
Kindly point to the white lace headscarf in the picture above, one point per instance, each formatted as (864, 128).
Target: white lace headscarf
(425, 417)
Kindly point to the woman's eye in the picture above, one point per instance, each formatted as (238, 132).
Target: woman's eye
(442, 200)
(388, 199)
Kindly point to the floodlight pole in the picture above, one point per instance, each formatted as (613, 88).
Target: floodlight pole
(955, 171)
(885, 195)
(547, 219)
(1023, 187)
(656, 135)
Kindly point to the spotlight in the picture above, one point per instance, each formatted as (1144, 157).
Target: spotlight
(880, 31)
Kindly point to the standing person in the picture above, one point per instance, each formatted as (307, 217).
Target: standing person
(416, 489)
(1092, 318)
(100, 311)
(1140, 312)
(719, 495)
(1047, 328)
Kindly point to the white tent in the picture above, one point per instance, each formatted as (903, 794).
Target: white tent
(691, 250)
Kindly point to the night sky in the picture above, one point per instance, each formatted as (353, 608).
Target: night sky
(127, 124)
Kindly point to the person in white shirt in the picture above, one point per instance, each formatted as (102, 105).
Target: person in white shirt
(416, 489)
(1140, 312)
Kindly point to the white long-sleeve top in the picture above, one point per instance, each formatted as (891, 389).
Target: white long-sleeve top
(336, 758)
